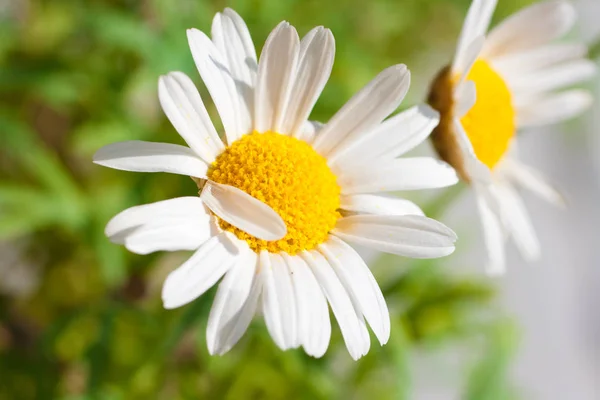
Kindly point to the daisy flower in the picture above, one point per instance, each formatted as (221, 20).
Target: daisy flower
(495, 86)
(278, 200)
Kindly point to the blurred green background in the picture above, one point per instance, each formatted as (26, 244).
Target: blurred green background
(81, 318)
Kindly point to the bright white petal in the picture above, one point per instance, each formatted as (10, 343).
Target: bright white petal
(139, 156)
(518, 223)
(529, 179)
(364, 110)
(243, 211)
(310, 130)
(398, 174)
(229, 316)
(553, 78)
(408, 235)
(392, 138)
(379, 205)
(314, 327)
(183, 106)
(492, 233)
(554, 108)
(315, 61)
(534, 26)
(279, 306)
(360, 284)
(476, 170)
(351, 323)
(475, 26)
(220, 84)
(201, 271)
(276, 71)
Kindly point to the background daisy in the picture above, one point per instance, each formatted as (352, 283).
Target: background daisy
(497, 84)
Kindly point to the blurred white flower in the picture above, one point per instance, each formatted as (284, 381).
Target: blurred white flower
(496, 85)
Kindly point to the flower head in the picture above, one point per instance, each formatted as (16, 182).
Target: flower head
(496, 85)
(281, 196)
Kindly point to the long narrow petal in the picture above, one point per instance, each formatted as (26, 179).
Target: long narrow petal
(379, 205)
(279, 306)
(364, 110)
(201, 271)
(392, 138)
(493, 235)
(408, 235)
(554, 108)
(518, 223)
(232, 38)
(476, 25)
(228, 308)
(526, 177)
(243, 211)
(276, 71)
(398, 174)
(552, 78)
(317, 50)
(139, 156)
(183, 106)
(220, 84)
(516, 64)
(314, 327)
(351, 323)
(531, 27)
(465, 98)
(360, 285)
(462, 64)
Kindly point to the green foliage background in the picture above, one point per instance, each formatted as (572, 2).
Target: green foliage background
(81, 318)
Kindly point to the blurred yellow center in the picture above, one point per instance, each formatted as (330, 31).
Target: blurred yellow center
(289, 176)
(490, 124)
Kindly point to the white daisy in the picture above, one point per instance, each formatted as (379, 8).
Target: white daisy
(278, 201)
(495, 86)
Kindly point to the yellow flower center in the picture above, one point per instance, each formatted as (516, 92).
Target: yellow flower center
(489, 124)
(289, 176)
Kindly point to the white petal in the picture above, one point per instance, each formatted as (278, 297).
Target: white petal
(516, 64)
(392, 138)
(243, 211)
(232, 38)
(279, 307)
(276, 71)
(364, 110)
(183, 106)
(530, 179)
(555, 108)
(476, 170)
(315, 61)
(229, 316)
(220, 84)
(314, 327)
(465, 98)
(398, 174)
(475, 26)
(379, 205)
(139, 156)
(531, 27)
(156, 236)
(408, 235)
(351, 323)
(360, 285)
(461, 66)
(310, 130)
(492, 233)
(517, 221)
(553, 78)
(201, 271)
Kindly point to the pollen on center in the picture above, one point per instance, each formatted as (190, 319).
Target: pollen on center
(289, 176)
